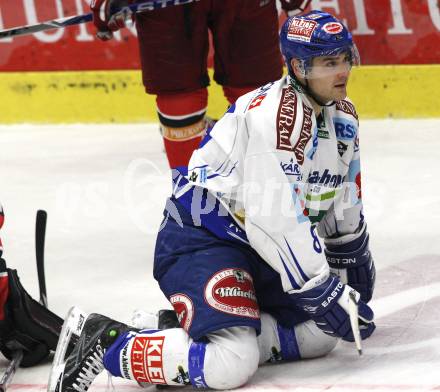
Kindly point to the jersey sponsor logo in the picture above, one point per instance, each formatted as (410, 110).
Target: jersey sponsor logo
(291, 169)
(304, 136)
(261, 94)
(323, 133)
(256, 101)
(146, 359)
(346, 107)
(232, 291)
(184, 308)
(332, 28)
(345, 129)
(193, 177)
(314, 148)
(326, 178)
(301, 29)
(356, 144)
(286, 118)
(342, 148)
(322, 127)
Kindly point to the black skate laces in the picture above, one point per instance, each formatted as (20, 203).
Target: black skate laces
(94, 364)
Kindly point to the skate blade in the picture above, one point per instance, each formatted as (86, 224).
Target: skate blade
(73, 325)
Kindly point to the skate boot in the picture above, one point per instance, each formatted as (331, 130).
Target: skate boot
(82, 366)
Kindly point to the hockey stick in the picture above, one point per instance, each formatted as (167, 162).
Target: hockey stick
(40, 235)
(78, 19)
(10, 370)
(354, 320)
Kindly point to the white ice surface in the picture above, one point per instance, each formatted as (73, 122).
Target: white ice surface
(104, 188)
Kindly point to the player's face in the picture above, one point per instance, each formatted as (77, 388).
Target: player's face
(328, 77)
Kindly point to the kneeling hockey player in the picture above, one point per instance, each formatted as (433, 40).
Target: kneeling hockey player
(238, 254)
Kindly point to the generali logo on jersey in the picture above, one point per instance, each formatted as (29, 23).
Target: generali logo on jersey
(304, 136)
(184, 308)
(146, 359)
(286, 117)
(232, 291)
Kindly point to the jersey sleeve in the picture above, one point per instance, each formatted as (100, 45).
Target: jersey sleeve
(345, 220)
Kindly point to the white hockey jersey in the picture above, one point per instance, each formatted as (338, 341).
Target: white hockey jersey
(280, 175)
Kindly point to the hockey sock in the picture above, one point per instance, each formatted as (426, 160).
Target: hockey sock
(171, 357)
(280, 343)
(150, 356)
(182, 119)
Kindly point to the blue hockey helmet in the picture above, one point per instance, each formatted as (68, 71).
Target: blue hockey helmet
(315, 34)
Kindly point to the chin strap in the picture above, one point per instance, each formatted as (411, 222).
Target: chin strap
(305, 88)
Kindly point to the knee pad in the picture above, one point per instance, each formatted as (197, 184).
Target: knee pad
(231, 357)
(312, 342)
(305, 340)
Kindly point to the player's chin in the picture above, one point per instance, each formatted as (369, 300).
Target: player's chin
(339, 92)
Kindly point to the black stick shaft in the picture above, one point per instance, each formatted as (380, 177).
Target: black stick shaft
(40, 236)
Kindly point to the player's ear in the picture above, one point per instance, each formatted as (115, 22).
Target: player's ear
(295, 64)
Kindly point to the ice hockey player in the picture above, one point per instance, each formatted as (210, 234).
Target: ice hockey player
(173, 46)
(25, 324)
(239, 255)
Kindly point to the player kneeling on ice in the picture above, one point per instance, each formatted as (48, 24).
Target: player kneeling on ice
(238, 253)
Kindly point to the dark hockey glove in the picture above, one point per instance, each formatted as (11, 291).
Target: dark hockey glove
(294, 7)
(26, 325)
(115, 15)
(328, 306)
(34, 352)
(354, 265)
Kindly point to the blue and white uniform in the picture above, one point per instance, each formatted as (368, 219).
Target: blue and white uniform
(279, 172)
(238, 254)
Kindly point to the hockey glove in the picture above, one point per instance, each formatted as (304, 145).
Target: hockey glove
(353, 263)
(26, 325)
(294, 7)
(328, 306)
(115, 15)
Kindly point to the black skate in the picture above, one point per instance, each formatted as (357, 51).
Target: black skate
(96, 334)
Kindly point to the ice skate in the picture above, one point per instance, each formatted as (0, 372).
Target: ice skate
(82, 366)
